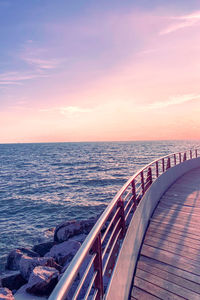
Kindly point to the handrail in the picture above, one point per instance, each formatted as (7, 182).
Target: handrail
(118, 215)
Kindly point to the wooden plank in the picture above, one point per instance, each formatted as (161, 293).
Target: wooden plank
(183, 199)
(175, 192)
(155, 290)
(183, 226)
(181, 221)
(170, 269)
(141, 294)
(172, 235)
(166, 205)
(179, 240)
(169, 277)
(167, 285)
(175, 228)
(171, 259)
(159, 241)
(177, 218)
(192, 255)
(169, 211)
(179, 203)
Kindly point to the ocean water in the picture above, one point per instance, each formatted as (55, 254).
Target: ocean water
(42, 185)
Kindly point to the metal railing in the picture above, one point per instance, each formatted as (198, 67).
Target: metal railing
(90, 270)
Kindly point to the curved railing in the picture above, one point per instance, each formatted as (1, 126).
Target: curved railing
(90, 270)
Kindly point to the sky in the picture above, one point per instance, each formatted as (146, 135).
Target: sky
(90, 70)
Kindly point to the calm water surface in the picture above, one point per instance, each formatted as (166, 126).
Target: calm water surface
(45, 184)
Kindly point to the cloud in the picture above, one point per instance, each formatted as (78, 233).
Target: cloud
(9, 78)
(38, 57)
(182, 22)
(67, 110)
(73, 110)
(41, 63)
(174, 100)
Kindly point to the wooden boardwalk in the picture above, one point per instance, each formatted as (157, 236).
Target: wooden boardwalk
(169, 261)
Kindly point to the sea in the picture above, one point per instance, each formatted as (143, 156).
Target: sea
(44, 184)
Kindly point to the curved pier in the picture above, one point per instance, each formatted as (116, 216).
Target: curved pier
(107, 261)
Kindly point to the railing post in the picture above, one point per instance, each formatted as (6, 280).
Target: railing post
(184, 156)
(149, 175)
(120, 204)
(98, 283)
(163, 165)
(179, 157)
(191, 154)
(142, 182)
(196, 153)
(168, 163)
(134, 195)
(157, 172)
(175, 159)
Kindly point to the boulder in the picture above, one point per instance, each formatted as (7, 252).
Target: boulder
(27, 264)
(43, 248)
(64, 252)
(42, 280)
(68, 229)
(88, 224)
(6, 294)
(12, 280)
(22, 294)
(15, 255)
(79, 238)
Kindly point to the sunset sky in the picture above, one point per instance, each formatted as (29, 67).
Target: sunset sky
(99, 70)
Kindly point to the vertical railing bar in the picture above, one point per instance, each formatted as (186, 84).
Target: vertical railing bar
(133, 193)
(196, 153)
(142, 182)
(175, 159)
(191, 154)
(163, 165)
(179, 157)
(184, 156)
(98, 283)
(122, 214)
(168, 163)
(157, 171)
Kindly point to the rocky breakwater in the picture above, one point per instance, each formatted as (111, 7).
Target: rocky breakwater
(33, 273)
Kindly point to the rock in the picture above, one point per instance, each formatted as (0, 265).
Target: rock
(68, 229)
(42, 280)
(6, 294)
(79, 238)
(12, 281)
(15, 255)
(43, 248)
(22, 294)
(64, 252)
(27, 264)
(88, 224)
